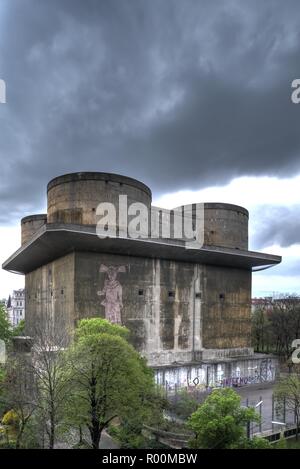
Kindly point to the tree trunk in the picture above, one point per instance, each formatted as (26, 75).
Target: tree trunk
(94, 427)
(20, 433)
(80, 435)
(19, 436)
(95, 432)
(52, 431)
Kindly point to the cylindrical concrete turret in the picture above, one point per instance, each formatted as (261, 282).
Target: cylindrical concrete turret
(74, 198)
(31, 224)
(225, 225)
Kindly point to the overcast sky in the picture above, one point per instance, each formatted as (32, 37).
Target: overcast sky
(191, 97)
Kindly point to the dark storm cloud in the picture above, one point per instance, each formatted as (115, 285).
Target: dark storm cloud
(177, 94)
(277, 225)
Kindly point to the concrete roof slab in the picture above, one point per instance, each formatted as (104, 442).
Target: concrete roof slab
(56, 240)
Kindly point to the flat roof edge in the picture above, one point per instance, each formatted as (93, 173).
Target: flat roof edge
(78, 234)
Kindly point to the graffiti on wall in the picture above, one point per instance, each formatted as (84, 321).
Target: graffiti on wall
(266, 370)
(263, 370)
(112, 292)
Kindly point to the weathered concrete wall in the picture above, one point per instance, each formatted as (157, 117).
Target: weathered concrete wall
(30, 225)
(172, 309)
(226, 307)
(224, 225)
(156, 302)
(73, 198)
(50, 294)
(235, 372)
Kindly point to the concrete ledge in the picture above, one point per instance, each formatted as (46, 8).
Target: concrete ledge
(22, 344)
(56, 240)
(212, 354)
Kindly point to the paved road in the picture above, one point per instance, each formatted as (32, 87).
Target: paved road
(107, 442)
(259, 392)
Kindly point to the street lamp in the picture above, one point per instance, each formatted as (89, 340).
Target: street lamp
(274, 422)
(259, 404)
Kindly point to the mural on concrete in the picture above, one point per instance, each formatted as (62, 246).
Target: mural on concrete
(112, 291)
(267, 371)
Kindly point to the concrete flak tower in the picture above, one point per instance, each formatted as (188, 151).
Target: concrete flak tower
(188, 310)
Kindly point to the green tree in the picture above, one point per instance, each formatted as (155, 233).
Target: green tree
(48, 367)
(95, 326)
(19, 329)
(184, 404)
(18, 393)
(287, 392)
(275, 324)
(5, 327)
(2, 380)
(220, 422)
(261, 329)
(109, 378)
(130, 431)
(285, 323)
(253, 443)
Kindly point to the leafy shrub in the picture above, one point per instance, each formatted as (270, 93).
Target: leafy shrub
(11, 418)
(128, 434)
(7, 445)
(252, 443)
(281, 444)
(185, 404)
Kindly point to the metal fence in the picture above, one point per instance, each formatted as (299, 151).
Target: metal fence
(274, 416)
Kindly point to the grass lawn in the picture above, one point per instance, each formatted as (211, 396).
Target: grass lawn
(292, 443)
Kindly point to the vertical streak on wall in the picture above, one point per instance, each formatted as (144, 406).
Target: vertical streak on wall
(196, 330)
(156, 298)
(176, 313)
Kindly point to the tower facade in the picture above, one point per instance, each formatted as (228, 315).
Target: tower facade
(188, 310)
